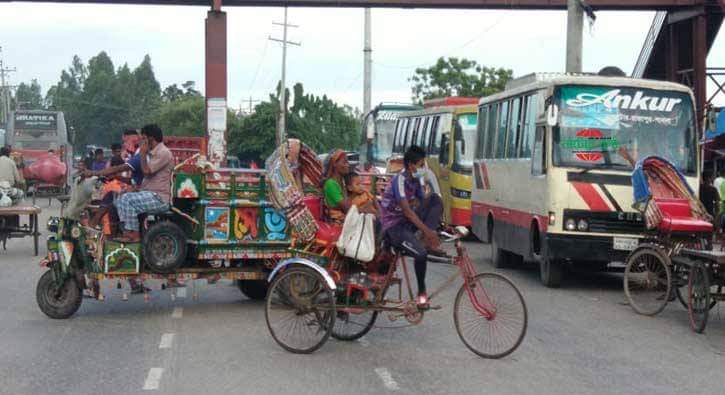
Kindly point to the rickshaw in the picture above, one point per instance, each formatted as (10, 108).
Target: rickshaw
(320, 293)
(676, 226)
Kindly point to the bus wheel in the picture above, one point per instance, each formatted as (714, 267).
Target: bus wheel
(551, 271)
(499, 258)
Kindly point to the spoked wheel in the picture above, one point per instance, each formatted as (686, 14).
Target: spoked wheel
(490, 315)
(300, 310)
(680, 276)
(698, 293)
(58, 302)
(647, 281)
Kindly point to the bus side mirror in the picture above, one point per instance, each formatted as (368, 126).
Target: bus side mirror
(552, 114)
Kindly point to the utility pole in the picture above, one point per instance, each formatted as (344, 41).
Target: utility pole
(368, 64)
(250, 101)
(4, 92)
(574, 32)
(282, 129)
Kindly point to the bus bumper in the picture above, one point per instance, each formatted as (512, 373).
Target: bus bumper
(583, 248)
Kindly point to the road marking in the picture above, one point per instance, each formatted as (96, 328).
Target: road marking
(181, 292)
(166, 340)
(178, 312)
(153, 379)
(387, 378)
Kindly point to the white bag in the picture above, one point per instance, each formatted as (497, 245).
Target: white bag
(357, 239)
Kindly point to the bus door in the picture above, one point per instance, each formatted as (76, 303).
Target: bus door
(443, 161)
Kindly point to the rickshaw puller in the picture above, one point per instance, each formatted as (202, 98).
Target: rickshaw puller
(406, 209)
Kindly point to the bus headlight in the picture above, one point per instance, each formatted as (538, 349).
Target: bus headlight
(582, 225)
(552, 218)
(570, 224)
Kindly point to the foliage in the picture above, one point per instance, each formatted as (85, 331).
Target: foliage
(317, 121)
(457, 77)
(184, 116)
(28, 96)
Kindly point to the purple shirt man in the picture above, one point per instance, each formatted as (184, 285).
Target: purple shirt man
(402, 186)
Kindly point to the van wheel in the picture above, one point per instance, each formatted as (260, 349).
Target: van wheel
(58, 302)
(499, 258)
(254, 289)
(164, 247)
(551, 271)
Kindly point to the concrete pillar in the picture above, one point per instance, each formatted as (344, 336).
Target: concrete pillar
(216, 83)
(574, 30)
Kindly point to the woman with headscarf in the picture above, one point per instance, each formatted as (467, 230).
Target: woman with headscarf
(333, 187)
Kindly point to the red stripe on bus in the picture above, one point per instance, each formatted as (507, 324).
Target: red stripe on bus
(591, 197)
(514, 217)
(460, 216)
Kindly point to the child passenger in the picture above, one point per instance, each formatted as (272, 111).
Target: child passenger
(364, 200)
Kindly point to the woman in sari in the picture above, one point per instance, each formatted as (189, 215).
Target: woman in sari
(333, 187)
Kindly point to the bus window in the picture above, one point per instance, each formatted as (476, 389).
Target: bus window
(444, 150)
(481, 131)
(501, 135)
(538, 162)
(410, 138)
(513, 128)
(465, 140)
(528, 127)
(434, 144)
(491, 131)
(423, 134)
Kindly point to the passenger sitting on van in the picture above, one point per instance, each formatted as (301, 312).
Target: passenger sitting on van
(335, 202)
(363, 199)
(154, 196)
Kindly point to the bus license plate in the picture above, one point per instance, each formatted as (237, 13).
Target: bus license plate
(625, 244)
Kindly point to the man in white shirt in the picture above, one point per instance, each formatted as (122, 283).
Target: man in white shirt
(719, 180)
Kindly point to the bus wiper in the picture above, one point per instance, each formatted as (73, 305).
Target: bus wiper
(605, 166)
(595, 167)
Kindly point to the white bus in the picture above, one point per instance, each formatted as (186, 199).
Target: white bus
(552, 175)
(378, 130)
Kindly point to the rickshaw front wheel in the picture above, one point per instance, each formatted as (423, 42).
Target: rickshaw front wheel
(58, 302)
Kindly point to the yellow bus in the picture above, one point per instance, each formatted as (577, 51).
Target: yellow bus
(552, 175)
(446, 129)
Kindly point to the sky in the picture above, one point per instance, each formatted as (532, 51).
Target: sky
(39, 40)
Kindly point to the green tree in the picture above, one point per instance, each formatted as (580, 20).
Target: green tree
(182, 117)
(457, 77)
(29, 96)
(99, 101)
(317, 121)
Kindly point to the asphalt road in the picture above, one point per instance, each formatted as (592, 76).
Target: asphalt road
(582, 339)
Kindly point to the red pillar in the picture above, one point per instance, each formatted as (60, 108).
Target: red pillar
(699, 64)
(216, 83)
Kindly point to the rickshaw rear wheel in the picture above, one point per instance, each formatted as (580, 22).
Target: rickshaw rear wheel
(164, 247)
(300, 310)
(349, 326)
(647, 281)
(698, 297)
(58, 302)
(254, 289)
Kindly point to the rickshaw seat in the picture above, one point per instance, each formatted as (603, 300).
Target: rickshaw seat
(677, 217)
(327, 233)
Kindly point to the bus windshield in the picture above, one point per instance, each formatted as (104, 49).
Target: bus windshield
(383, 142)
(607, 127)
(465, 140)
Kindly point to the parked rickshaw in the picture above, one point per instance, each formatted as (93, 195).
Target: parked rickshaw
(672, 258)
